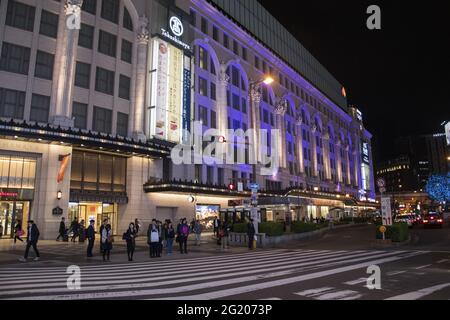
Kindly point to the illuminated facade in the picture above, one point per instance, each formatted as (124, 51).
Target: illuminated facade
(117, 93)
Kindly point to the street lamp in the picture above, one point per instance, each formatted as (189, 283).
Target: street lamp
(253, 87)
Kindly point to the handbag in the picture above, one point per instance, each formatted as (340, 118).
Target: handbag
(19, 233)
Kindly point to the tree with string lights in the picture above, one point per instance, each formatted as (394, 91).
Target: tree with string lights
(438, 187)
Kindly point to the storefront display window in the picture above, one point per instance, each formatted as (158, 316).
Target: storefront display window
(94, 211)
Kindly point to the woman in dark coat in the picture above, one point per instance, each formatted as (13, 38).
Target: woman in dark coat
(18, 232)
(130, 238)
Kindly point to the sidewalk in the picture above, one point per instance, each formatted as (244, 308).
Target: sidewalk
(62, 253)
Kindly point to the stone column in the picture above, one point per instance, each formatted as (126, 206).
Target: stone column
(65, 61)
(314, 152)
(338, 159)
(347, 161)
(326, 154)
(142, 39)
(280, 111)
(299, 152)
(222, 105)
(255, 98)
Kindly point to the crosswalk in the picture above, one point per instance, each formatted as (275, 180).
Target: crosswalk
(213, 277)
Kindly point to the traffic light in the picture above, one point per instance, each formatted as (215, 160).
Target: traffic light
(232, 187)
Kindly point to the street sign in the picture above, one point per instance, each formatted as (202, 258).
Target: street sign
(254, 186)
(240, 187)
(381, 183)
(383, 229)
(382, 189)
(386, 211)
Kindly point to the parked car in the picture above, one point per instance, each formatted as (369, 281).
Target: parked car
(433, 219)
(410, 219)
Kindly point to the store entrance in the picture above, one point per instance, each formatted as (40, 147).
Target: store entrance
(97, 211)
(10, 213)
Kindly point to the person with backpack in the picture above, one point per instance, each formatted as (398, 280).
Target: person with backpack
(251, 234)
(130, 238)
(32, 240)
(183, 234)
(90, 235)
(106, 242)
(153, 239)
(170, 235)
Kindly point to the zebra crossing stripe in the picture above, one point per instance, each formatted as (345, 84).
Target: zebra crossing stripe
(415, 295)
(339, 295)
(180, 273)
(313, 292)
(357, 281)
(133, 292)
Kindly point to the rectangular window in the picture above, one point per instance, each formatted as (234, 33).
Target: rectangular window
(203, 58)
(215, 33)
(122, 124)
(83, 75)
(236, 124)
(220, 177)
(40, 106)
(264, 66)
(102, 119)
(235, 76)
(226, 42)
(204, 25)
(104, 81)
(203, 115)
(126, 51)
(107, 43)
(110, 10)
(272, 121)
(49, 24)
(210, 175)
(127, 22)
(213, 119)
(244, 105)
(265, 116)
(124, 87)
(244, 54)
(235, 47)
(89, 6)
(213, 91)
(193, 17)
(257, 62)
(12, 103)
(15, 58)
(86, 36)
(44, 65)
(20, 15)
(79, 113)
(236, 102)
(203, 86)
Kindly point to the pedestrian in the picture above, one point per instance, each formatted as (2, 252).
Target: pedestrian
(32, 240)
(198, 232)
(164, 234)
(74, 226)
(251, 234)
(223, 235)
(1, 228)
(130, 238)
(105, 222)
(170, 235)
(90, 235)
(330, 221)
(159, 226)
(107, 241)
(137, 225)
(216, 226)
(62, 229)
(153, 239)
(183, 234)
(81, 232)
(18, 232)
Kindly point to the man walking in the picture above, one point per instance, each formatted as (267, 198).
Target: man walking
(251, 234)
(62, 229)
(198, 232)
(90, 235)
(74, 227)
(32, 240)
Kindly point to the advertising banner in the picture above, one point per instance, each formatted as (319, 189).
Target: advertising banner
(161, 89)
(175, 94)
(447, 133)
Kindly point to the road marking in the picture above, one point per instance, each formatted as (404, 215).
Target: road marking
(357, 281)
(312, 292)
(414, 295)
(132, 289)
(394, 273)
(443, 260)
(339, 295)
(271, 299)
(423, 267)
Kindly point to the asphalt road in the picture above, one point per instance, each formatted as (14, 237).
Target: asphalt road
(333, 267)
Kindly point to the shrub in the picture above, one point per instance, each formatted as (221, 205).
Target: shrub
(398, 232)
(302, 227)
(240, 227)
(271, 229)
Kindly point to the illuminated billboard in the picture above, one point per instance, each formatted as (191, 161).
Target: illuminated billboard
(447, 132)
(170, 100)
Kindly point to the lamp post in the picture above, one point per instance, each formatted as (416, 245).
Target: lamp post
(253, 88)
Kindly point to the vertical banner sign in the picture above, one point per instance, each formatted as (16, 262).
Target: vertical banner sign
(447, 133)
(161, 89)
(187, 97)
(62, 168)
(175, 93)
(386, 211)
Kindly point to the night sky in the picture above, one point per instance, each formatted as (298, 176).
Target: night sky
(399, 77)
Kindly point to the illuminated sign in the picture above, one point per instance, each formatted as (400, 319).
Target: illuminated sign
(447, 132)
(176, 26)
(359, 115)
(365, 152)
(9, 194)
(168, 91)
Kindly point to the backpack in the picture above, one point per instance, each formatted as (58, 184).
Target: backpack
(184, 230)
(154, 236)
